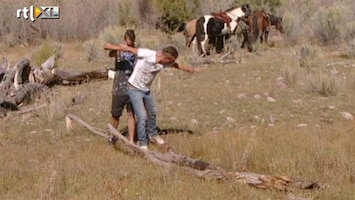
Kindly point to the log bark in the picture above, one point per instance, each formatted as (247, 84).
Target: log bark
(49, 64)
(70, 118)
(23, 70)
(204, 169)
(72, 77)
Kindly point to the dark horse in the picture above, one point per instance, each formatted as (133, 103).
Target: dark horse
(258, 27)
(213, 29)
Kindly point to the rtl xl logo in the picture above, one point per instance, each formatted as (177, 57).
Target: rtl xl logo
(42, 12)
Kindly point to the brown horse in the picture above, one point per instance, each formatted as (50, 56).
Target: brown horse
(189, 30)
(258, 27)
(277, 23)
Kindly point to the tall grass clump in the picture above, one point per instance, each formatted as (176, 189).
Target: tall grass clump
(349, 50)
(46, 50)
(126, 15)
(113, 34)
(291, 74)
(309, 57)
(93, 50)
(322, 83)
(292, 27)
(330, 24)
(267, 5)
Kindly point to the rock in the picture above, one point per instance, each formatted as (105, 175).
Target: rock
(331, 107)
(194, 121)
(257, 96)
(347, 115)
(281, 85)
(301, 125)
(172, 118)
(280, 79)
(297, 101)
(270, 99)
(241, 95)
(230, 119)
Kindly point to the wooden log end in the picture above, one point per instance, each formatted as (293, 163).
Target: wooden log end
(68, 123)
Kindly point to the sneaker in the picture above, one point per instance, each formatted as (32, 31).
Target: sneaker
(156, 139)
(112, 140)
(144, 147)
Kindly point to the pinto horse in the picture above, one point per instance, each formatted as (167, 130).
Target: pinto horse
(213, 29)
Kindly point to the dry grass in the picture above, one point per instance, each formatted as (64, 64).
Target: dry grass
(231, 128)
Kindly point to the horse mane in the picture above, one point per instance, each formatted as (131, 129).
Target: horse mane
(232, 8)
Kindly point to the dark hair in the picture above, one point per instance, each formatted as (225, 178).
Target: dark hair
(130, 34)
(171, 50)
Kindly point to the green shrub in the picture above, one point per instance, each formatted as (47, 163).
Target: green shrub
(309, 57)
(46, 50)
(172, 13)
(291, 74)
(292, 27)
(92, 48)
(113, 34)
(267, 5)
(329, 24)
(323, 84)
(125, 14)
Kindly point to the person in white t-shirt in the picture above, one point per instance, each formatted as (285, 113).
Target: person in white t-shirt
(149, 63)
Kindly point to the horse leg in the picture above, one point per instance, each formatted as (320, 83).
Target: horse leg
(245, 38)
(266, 37)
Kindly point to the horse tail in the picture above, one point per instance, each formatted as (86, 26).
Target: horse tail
(255, 28)
(190, 41)
(199, 33)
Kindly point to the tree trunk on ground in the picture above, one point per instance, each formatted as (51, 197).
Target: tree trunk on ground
(71, 77)
(21, 83)
(204, 169)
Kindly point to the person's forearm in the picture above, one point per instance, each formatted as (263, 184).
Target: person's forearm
(109, 46)
(187, 68)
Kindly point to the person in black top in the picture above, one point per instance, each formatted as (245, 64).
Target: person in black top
(124, 64)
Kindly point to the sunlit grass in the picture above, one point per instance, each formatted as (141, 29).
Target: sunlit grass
(231, 128)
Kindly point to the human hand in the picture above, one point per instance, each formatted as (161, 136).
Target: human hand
(108, 46)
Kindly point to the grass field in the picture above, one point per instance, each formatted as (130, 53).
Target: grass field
(241, 117)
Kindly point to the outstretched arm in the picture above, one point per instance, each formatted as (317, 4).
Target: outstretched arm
(120, 47)
(186, 68)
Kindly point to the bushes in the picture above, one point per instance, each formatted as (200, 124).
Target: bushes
(309, 57)
(46, 50)
(172, 13)
(324, 84)
(267, 5)
(329, 24)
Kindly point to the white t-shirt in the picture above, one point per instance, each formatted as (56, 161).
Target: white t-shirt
(145, 69)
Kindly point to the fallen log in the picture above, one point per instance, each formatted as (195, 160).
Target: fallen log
(204, 169)
(22, 73)
(69, 124)
(72, 77)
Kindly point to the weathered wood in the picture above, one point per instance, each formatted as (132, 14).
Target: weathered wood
(206, 170)
(8, 80)
(28, 91)
(23, 70)
(49, 64)
(72, 77)
(70, 117)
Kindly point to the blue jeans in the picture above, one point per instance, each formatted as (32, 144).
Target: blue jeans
(146, 112)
